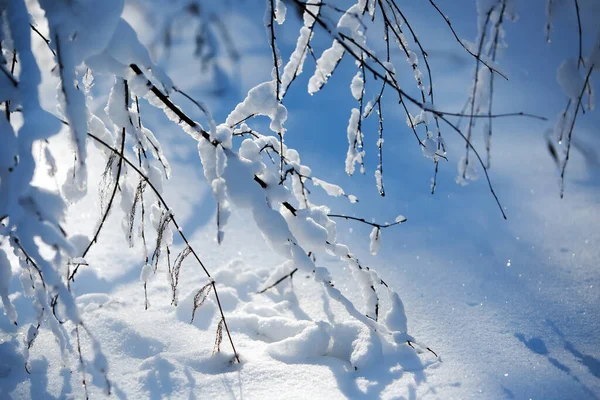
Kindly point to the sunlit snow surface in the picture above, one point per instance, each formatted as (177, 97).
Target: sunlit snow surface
(512, 307)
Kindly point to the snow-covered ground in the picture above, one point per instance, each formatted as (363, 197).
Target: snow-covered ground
(511, 307)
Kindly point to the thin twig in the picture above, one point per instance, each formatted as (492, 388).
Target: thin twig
(271, 27)
(475, 86)
(278, 281)
(364, 221)
(177, 226)
(44, 38)
(579, 99)
(81, 363)
(580, 60)
(477, 57)
(112, 196)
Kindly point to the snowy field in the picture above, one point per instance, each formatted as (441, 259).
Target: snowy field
(510, 308)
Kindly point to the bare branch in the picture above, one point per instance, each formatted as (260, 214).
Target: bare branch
(577, 106)
(278, 281)
(476, 56)
(364, 221)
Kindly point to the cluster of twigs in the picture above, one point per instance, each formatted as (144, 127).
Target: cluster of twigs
(369, 63)
(167, 219)
(564, 127)
(174, 271)
(571, 127)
